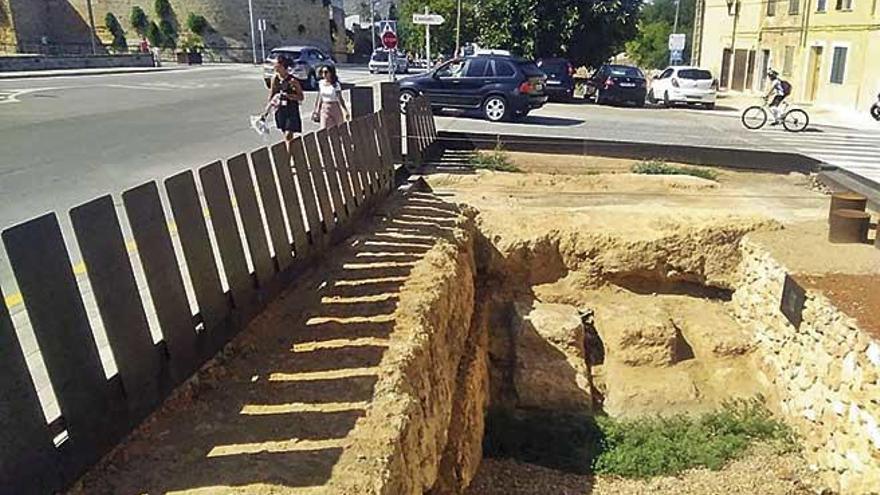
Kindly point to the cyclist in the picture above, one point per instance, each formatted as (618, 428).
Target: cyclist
(779, 89)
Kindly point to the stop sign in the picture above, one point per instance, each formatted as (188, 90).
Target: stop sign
(389, 40)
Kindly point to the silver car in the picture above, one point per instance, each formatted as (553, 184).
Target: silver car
(307, 62)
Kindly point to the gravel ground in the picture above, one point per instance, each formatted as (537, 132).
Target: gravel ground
(760, 471)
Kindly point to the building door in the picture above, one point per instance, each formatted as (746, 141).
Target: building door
(750, 70)
(740, 59)
(765, 66)
(725, 68)
(815, 69)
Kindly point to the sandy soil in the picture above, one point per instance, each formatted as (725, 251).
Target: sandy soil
(760, 471)
(855, 295)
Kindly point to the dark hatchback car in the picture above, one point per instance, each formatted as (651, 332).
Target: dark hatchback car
(501, 87)
(618, 84)
(560, 78)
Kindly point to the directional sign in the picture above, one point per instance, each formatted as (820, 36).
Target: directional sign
(676, 42)
(428, 19)
(389, 40)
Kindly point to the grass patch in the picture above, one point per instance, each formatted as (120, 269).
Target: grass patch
(633, 448)
(657, 167)
(496, 160)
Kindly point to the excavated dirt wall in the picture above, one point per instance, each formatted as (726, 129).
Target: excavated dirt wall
(424, 428)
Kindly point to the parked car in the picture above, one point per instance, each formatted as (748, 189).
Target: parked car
(680, 84)
(560, 78)
(500, 86)
(307, 62)
(618, 84)
(379, 62)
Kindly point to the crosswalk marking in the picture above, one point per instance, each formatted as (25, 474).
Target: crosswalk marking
(857, 151)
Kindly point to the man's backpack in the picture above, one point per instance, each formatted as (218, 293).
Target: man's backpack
(786, 87)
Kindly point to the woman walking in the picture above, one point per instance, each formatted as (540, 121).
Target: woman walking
(330, 106)
(290, 93)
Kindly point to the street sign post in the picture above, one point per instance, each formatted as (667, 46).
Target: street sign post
(428, 19)
(389, 41)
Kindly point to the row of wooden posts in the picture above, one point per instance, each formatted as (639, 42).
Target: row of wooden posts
(306, 197)
(848, 220)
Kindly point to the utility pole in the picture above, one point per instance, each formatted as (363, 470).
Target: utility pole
(675, 24)
(92, 33)
(253, 38)
(372, 26)
(458, 31)
(428, 39)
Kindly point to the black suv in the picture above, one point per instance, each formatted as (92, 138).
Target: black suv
(500, 86)
(560, 78)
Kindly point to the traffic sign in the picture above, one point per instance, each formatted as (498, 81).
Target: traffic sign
(389, 40)
(428, 19)
(677, 42)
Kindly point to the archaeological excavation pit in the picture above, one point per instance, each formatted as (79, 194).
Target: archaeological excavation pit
(496, 333)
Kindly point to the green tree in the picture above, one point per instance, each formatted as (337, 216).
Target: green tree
(163, 9)
(442, 36)
(139, 20)
(587, 32)
(115, 28)
(154, 34)
(169, 34)
(197, 24)
(392, 12)
(650, 46)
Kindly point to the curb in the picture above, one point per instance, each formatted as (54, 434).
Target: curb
(86, 72)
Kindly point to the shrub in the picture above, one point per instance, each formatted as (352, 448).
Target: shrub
(197, 24)
(635, 448)
(657, 167)
(138, 20)
(115, 28)
(496, 160)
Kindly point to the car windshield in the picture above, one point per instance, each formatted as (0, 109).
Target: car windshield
(380, 57)
(290, 55)
(695, 74)
(554, 67)
(624, 71)
(529, 69)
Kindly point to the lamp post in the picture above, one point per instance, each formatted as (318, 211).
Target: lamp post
(92, 34)
(458, 31)
(372, 26)
(253, 38)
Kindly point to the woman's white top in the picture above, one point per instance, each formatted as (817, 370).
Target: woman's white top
(329, 92)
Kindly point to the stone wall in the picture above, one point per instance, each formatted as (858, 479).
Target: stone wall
(66, 22)
(34, 63)
(822, 376)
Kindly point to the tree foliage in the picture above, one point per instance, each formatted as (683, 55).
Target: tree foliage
(197, 24)
(650, 47)
(163, 9)
(587, 32)
(154, 34)
(139, 20)
(115, 28)
(442, 36)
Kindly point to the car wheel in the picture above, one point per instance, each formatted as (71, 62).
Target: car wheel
(406, 96)
(600, 100)
(639, 103)
(312, 82)
(651, 98)
(709, 106)
(666, 102)
(495, 109)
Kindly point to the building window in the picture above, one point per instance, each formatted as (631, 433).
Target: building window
(788, 61)
(838, 65)
(771, 8)
(821, 5)
(844, 5)
(794, 7)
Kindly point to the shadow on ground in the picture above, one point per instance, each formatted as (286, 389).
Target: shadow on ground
(273, 415)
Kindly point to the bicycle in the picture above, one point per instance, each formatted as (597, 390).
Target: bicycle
(793, 119)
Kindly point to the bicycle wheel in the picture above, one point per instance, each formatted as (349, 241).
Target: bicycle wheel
(795, 120)
(754, 117)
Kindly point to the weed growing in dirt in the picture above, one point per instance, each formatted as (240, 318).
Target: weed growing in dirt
(496, 160)
(657, 167)
(637, 448)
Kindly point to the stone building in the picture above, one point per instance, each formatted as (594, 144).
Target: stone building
(827, 49)
(29, 25)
